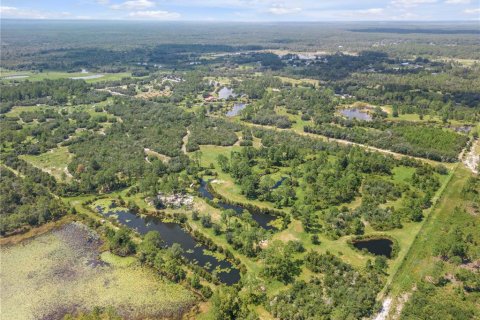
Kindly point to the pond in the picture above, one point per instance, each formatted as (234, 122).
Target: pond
(93, 76)
(262, 219)
(172, 233)
(356, 114)
(18, 76)
(379, 247)
(226, 93)
(237, 107)
(278, 183)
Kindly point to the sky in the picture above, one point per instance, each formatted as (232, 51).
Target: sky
(243, 10)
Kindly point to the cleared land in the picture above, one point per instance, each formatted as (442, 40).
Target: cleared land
(420, 263)
(54, 162)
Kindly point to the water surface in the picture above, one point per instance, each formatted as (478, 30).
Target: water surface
(172, 233)
(18, 76)
(379, 247)
(93, 76)
(356, 114)
(237, 107)
(262, 219)
(278, 183)
(226, 93)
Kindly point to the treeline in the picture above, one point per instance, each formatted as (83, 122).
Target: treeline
(176, 55)
(267, 60)
(25, 202)
(451, 84)
(159, 127)
(52, 129)
(351, 293)
(414, 140)
(207, 131)
(339, 66)
(51, 92)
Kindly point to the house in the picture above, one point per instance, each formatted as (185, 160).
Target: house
(209, 98)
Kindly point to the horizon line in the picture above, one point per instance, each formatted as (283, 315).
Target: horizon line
(241, 21)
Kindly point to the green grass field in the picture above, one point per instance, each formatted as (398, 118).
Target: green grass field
(54, 162)
(54, 75)
(420, 262)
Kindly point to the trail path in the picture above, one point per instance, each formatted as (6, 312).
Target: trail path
(185, 141)
(472, 158)
(345, 142)
(150, 152)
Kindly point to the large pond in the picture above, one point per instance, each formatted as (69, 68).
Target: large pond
(356, 114)
(226, 93)
(262, 219)
(172, 233)
(237, 107)
(379, 247)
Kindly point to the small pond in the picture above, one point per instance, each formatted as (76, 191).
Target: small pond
(356, 114)
(226, 93)
(18, 76)
(262, 219)
(93, 76)
(379, 247)
(278, 183)
(172, 233)
(237, 107)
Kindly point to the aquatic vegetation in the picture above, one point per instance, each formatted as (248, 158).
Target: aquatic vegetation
(61, 272)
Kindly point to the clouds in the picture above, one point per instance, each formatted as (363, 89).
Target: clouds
(472, 11)
(458, 1)
(154, 15)
(26, 13)
(245, 10)
(282, 10)
(411, 3)
(133, 5)
(136, 9)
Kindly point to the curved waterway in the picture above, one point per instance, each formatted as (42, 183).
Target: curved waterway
(172, 233)
(262, 219)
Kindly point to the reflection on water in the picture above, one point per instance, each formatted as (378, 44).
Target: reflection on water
(262, 219)
(379, 247)
(172, 233)
(356, 114)
(237, 107)
(226, 93)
